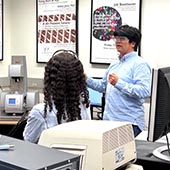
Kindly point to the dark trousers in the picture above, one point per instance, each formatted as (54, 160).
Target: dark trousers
(136, 130)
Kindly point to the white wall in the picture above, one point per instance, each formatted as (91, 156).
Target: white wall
(155, 30)
(20, 35)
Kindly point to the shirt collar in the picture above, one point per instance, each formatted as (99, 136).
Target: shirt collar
(129, 55)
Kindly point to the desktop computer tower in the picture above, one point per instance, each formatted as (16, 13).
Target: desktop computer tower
(29, 156)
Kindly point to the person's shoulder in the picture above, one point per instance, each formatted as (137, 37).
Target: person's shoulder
(143, 60)
(114, 62)
(142, 63)
(38, 108)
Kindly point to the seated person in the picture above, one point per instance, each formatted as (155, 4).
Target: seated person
(66, 96)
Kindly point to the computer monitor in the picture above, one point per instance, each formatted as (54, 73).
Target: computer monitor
(159, 113)
(97, 100)
(101, 144)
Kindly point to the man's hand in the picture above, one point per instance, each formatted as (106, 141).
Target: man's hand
(113, 78)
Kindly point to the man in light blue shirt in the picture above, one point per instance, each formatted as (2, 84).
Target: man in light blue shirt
(126, 82)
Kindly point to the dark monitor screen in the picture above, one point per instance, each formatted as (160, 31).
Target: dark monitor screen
(159, 113)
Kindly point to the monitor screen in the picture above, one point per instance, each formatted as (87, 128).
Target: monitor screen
(12, 101)
(95, 96)
(159, 113)
(97, 100)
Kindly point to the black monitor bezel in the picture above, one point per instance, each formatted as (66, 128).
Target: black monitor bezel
(159, 120)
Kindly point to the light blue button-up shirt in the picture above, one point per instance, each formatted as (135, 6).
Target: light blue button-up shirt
(124, 101)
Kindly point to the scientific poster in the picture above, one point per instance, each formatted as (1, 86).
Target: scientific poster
(106, 16)
(56, 23)
(1, 30)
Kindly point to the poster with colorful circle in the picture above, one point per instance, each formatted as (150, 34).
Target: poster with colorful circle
(105, 20)
(106, 16)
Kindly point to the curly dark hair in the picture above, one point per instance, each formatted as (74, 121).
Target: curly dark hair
(64, 82)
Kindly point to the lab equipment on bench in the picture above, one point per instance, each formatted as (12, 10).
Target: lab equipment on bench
(17, 99)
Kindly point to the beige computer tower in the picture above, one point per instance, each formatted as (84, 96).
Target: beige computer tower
(103, 145)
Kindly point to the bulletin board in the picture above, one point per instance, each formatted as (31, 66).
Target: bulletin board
(105, 17)
(1, 30)
(57, 27)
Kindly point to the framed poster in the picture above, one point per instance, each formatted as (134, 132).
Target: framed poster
(57, 27)
(105, 17)
(1, 30)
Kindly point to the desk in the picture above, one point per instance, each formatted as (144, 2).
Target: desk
(8, 121)
(145, 157)
(6, 124)
(29, 156)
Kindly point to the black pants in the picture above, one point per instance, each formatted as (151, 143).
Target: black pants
(136, 130)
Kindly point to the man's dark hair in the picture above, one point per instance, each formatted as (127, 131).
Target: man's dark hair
(132, 33)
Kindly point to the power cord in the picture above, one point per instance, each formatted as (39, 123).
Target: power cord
(1, 88)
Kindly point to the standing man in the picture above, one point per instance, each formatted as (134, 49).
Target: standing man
(126, 82)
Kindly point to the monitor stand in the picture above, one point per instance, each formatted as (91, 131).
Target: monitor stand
(161, 153)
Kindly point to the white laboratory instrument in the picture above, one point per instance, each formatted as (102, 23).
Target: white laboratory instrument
(14, 103)
(17, 99)
(103, 145)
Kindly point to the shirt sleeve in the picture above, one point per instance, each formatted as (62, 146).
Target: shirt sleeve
(85, 112)
(97, 84)
(35, 125)
(140, 86)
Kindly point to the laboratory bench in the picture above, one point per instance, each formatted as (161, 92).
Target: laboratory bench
(7, 122)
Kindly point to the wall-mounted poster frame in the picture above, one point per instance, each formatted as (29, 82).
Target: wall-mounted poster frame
(105, 17)
(57, 27)
(1, 30)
